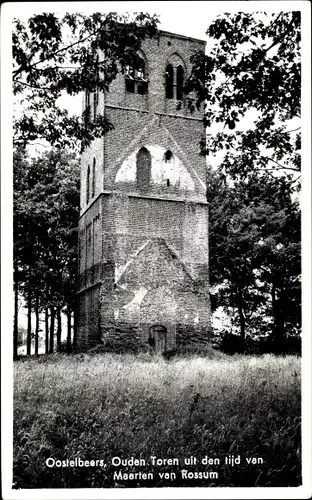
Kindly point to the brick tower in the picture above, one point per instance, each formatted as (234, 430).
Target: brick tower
(143, 229)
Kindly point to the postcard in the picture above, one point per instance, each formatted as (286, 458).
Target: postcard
(156, 243)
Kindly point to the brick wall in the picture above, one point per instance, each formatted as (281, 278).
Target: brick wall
(154, 287)
(135, 129)
(143, 257)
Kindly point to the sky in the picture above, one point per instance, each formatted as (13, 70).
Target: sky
(189, 18)
(186, 18)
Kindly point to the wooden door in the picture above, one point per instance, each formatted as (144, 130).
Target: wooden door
(159, 333)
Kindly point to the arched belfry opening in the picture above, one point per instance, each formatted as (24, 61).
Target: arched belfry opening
(143, 169)
(180, 82)
(136, 79)
(93, 178)
(88, 185)
(169, 81)
(174, 77)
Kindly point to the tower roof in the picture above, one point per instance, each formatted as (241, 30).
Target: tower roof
(183, 37)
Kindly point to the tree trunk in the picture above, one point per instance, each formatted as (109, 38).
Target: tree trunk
(59, 329)
(242, 322)
(46, 324)
(274, 311)
(68, 340)
(29, 322)
(37, 324)
(15, 331)
(279, 323)
(75, 332)
(280, 333)
(52, 310)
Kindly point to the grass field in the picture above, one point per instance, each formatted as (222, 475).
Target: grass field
(104, 406)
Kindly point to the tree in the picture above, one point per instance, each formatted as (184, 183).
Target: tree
(253, 70)
(53, 55)
(279, 252)
(255, 261)
(249, 84)
(46, 210)
(233, 236)
(21, 249)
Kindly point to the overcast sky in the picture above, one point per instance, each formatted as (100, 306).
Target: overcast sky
(187, 18)
(190, 18)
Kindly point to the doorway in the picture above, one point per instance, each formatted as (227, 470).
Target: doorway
(158, 338)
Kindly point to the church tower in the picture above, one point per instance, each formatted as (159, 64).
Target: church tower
(143, 228)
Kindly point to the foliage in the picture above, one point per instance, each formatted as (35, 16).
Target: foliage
(256, 345)
(195, 406)
(45, 215)
(255, 260)
(251, 81)
(254, 67)
(250, 85)
(53, 55)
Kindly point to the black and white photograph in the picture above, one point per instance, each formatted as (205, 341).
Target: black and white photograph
(156, 249)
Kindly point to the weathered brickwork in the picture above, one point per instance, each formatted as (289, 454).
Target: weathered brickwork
(143, 230)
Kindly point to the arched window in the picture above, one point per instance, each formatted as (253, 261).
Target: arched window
(180, 82)
(174, 77)
(88, 185)
(168, 158)
(143, 169)
(169, 81)
(93, 178)
(136, 78)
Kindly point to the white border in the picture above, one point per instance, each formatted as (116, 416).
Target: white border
(8, 10)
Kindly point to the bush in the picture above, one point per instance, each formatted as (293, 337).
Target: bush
(232, 344)
(200, 350)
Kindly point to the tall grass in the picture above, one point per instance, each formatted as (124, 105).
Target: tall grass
(101, 406)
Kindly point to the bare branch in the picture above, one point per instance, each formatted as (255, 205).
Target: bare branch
(275, 20)
(267, 170)
(281, 166)
(289, 131)
(20, 70)
(39, 144)
(33, 86)
(295, 180)
(279, 38)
